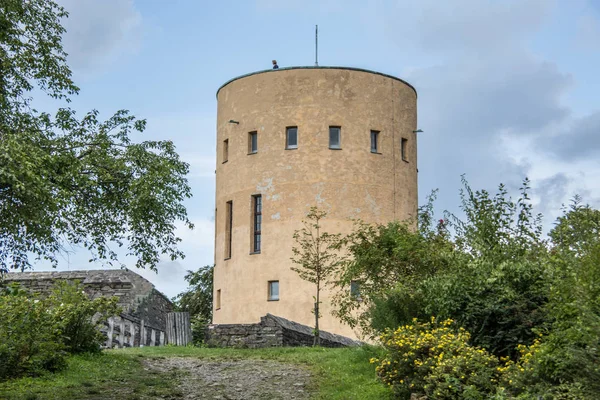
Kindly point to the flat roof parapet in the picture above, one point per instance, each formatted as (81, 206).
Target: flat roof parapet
(308, 67)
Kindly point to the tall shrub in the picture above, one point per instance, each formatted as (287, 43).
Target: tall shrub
(75, 315)
(37, 333)
(30, 335)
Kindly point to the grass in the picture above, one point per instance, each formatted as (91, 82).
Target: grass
(119, 374)
(109, 375)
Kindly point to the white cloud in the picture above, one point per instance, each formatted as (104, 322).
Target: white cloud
(484, 95)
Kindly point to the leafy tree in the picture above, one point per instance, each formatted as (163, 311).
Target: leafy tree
(69, 181)
(496, 286)
(198, 298)
(389, 261)
(316, 257)
(569, 352)
(486, 271)
(577, 231)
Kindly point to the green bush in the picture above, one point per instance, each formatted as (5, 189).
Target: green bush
(37, 333)
(199, 325)
(75, 314)
(435, 360)
(31, 337)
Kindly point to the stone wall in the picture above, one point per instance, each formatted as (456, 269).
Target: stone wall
(143, 319)
(271, 331)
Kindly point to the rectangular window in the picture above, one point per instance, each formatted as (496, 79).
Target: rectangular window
(225, 150)
(218, 299)
(335, 139)
(403, 149)
(291, 137)
(273, 290)
(374, 141)
(252, 142)
(256, 222)
(228, 229)
(355, 289)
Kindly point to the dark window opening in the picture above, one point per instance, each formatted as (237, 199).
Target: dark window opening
(355, 290)
(225, 150)
(374, 141)
(228, 229)
(252, 142)
(273, 290)
(256, 223)
(335, 140)
(291, 137)
(403, 149)
(218, 299)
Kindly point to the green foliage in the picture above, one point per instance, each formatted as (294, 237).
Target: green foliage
(31, 336)
(435, 360)
(497, 285)
(566, 363)
(198, 300)
(39, 332)
(65, 180)
(486, 271)
(532, 301)
(577, 231)
(74, 314)
(316, 257)
(389, 260)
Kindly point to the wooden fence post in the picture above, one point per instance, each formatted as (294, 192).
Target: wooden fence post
(110, 332)
(178, 328)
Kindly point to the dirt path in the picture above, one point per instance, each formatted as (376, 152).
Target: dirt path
(236, 380)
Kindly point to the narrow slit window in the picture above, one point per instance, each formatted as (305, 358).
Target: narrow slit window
(403, 149)
(335, 139)
(228, 229)
(273, 290)
(355, 289)
(252, 142)
(374, 141)
(225, 150)
(291, 137)
(256, 223)
(218, 299)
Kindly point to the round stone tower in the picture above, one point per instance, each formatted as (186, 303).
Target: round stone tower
(342, 139)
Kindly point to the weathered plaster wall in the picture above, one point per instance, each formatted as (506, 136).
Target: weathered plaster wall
(347, 183)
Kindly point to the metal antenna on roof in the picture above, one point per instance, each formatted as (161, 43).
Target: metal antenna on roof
(316, 45)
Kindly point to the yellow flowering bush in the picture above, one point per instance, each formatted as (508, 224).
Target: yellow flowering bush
(435, 359)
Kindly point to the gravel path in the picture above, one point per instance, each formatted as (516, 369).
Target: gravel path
(236, 380)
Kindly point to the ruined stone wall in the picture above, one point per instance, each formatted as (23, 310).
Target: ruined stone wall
(145, 309)
(271, 331)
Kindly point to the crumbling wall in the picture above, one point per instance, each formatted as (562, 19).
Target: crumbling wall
(144, 309)
(271, 331)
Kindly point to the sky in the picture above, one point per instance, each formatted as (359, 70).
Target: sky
(507, 89)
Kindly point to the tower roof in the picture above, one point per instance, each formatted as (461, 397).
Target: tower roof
(315, 67)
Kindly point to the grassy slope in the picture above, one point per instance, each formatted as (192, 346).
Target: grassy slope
(338, 374)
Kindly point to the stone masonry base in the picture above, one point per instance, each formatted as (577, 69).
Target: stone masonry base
(271, 331)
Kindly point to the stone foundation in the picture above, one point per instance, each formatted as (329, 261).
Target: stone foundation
(271, 331)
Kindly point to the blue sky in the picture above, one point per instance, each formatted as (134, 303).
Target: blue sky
(507, 89)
